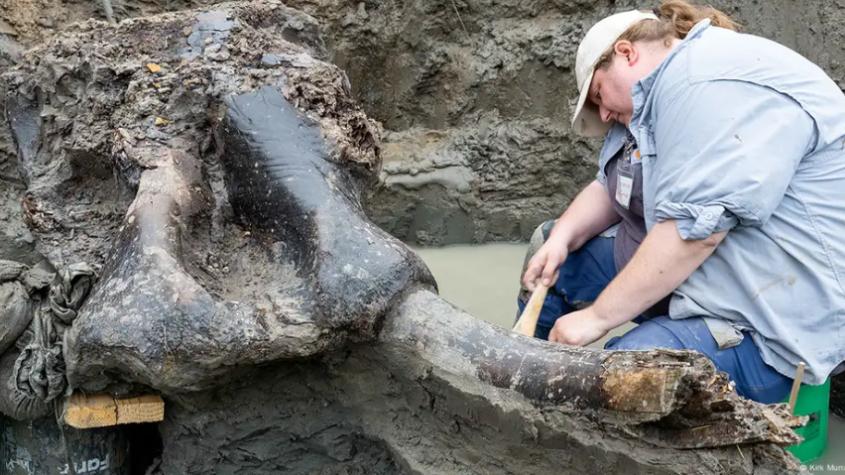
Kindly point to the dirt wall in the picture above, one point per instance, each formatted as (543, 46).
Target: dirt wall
(476, 98)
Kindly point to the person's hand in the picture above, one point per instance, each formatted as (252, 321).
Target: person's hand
(578, 328)
(544, 265)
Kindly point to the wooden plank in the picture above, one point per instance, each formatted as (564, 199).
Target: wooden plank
(86, 411)
(146, 408)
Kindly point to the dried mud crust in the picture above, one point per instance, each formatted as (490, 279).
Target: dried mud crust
(32, 21)
(382, 410)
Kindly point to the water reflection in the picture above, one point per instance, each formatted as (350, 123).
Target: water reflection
(482, 280)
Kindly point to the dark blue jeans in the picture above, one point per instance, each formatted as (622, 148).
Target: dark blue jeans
(582, 277)
(587, 271)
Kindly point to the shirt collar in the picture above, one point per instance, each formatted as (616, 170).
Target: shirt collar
(642, 88)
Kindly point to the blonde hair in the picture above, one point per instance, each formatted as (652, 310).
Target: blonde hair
(675, 20)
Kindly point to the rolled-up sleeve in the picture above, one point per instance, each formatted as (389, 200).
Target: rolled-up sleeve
(726, 153)
(696, 221)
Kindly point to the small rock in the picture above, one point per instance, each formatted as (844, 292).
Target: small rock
(7, 29)
(349, 20)
(45, 22)
(125, 135)
(219, 56)
(270, 59)
(154, 68)
(161, 121)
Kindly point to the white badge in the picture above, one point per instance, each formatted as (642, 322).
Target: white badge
(624, 185)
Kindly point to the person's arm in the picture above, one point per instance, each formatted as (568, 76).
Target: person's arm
(590, 213)
(662, 262)
(722, 163)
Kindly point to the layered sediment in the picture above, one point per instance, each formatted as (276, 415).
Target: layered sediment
(483, 91)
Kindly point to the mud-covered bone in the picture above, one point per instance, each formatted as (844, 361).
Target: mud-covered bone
(654, 393)
(244, 241)
(280, 182)
(149, 320)
(334, 273)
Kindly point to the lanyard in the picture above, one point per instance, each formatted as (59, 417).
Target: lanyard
(625, 172)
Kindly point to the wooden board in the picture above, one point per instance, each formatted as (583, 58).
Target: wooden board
(86, 411)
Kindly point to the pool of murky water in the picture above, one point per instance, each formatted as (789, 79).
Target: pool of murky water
(484, 281)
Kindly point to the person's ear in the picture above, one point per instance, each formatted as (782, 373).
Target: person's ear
(626, 49)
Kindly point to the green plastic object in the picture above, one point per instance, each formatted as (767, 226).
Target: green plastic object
(814, 402)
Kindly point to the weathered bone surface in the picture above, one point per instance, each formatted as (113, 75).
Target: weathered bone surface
(211, 165)
(301, 269)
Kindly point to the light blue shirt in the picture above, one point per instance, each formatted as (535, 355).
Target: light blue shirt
(738, 133)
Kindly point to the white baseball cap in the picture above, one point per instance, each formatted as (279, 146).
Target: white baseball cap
(586, 120)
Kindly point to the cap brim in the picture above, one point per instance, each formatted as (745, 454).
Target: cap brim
(586, 120)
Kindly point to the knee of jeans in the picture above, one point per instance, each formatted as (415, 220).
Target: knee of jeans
(754, 378)
(538, 238)
(553, 308)
(611, 343)
(772, 393)
(542, 332)
(645, 337)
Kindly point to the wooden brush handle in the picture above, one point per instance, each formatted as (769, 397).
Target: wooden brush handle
(796, 386)
(527, 323)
